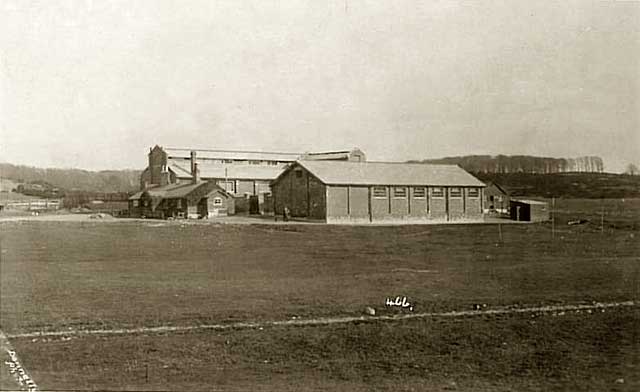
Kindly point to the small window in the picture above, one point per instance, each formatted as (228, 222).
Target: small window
(380, 192)
(136, 203)
(272, 163)
(419, 192)
(455, 192)
(298, 173)
(400, 192)
(255, 162)
(473, 192)
(437, 192)
(179, 203)
(227, 161)
(230, 186)
(217, 201)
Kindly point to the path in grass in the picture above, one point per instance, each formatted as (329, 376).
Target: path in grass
(332, 320)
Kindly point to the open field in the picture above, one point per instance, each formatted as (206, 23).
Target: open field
(57, 276)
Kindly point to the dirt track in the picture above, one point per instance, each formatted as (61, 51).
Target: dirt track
(329, 320)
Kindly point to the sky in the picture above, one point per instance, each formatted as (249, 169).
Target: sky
(94, 84)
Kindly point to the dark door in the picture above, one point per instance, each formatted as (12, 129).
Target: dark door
(254, 205)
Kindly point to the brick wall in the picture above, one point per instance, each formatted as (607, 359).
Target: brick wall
(337, 203)
(417, 207)
(157, 162)
(473, 207)
(456, 203)
(437, 204)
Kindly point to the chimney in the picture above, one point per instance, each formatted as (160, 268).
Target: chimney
(193, 161)
(195, 174)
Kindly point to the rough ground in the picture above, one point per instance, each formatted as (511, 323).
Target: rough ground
(75, 276)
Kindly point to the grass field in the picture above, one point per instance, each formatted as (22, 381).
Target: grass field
(57, 276)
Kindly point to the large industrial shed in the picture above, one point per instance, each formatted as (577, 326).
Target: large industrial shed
(243, 174)
(377, 192)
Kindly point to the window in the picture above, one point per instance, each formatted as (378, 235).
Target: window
(455, 192)
(400, 192)
(272, 163)
(255, 162)
(217, 201)
(230, 186)
(380, 192)
(179, 203)
(419, 192)
(227, 161)
(298, 173)
(473, 192)
(135, 203)
(437, 192)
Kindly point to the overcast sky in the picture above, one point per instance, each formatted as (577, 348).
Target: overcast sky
(94, 84)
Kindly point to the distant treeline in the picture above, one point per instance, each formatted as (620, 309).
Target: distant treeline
(522, 164)
(74, 179)
(40, 189)
(74, 199)
(567, 185)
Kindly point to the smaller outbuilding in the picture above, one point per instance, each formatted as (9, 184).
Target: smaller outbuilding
(496, 199)
(191, 200)
(529, 211)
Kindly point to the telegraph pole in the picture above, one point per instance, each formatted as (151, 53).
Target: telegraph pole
(553, 218)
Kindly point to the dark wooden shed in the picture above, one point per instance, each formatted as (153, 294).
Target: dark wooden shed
(529, 210)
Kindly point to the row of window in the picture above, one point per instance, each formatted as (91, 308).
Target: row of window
(420, 192)
(178, 203)
(242, 161)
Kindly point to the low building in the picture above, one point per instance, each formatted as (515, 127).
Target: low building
(496, 199)
(337, 191)
(203, 199)
(529, 211)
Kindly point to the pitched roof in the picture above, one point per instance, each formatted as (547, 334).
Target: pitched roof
(383, 173)
(182, 169)
(170, 191)
(529, 201)
(326, 155)
(233, 154)
(498, 187)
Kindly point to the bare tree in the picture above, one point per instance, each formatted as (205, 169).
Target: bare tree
(632, 170)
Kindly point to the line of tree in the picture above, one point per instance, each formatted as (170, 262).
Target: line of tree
(74, 179)
(74, 199)
(522, 164)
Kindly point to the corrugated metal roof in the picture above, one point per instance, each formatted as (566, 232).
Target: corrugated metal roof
(169, 191)
(529, 201)
(237, 155)
(233, 171)
(327, 155)
(383, 173)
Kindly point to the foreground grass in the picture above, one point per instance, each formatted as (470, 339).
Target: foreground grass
(586, 351)
(92, 275)
(56, 276)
